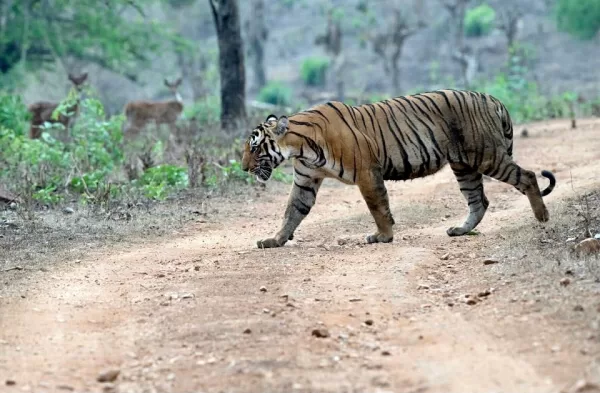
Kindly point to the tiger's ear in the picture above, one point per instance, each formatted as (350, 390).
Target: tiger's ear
(282, 125)
(271, 118)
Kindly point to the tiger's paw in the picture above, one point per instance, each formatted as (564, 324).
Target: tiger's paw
(457, 231)
(269, 243)
(542, 215)
(379, 238)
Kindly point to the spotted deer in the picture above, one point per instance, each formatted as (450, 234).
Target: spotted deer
(41, 111)
(141, 113)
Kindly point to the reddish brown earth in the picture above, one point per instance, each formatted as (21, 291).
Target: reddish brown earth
(172, 316)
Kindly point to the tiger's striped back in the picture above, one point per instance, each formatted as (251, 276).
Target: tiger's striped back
(410, 137)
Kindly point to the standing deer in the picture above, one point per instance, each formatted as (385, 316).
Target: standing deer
(41, 111)
(140, 113)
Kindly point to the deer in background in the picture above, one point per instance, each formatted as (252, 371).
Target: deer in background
(41, 111)
(140, 113)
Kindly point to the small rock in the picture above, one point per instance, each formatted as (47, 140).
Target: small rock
(565, 281)
(386, 353)
(68, 210)
(369, 322)
(578, 307)
(524, 133)
(320, 333)
(197, 268)
(109, 388)
(11, 382)
(247, 331)
(109, 375)
(423, 286)
(490, 261)
(445, 256)
(171, 377)
(355, 299)
(263, 289)
(583, 386)
(342, 241)
(484, 293)
(588, 247)
(471, 301)
(13, 206)
(65, 387)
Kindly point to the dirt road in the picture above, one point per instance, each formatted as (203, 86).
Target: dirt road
(423, 314)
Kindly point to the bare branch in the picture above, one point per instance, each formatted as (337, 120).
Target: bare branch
(214, 6)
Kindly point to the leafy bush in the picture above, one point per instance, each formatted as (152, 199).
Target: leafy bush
(580, 18)
(479, 21)
(205, 111)
(90, 162)
(313, 70)
(276, 93)
(13, 114)
(158, 182)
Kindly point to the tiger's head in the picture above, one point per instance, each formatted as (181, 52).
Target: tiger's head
(262, 152)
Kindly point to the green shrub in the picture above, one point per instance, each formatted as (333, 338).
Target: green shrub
(276, 93)
(159, 181)
(580, 18)
(13, 114)
(314, 70)
(205, 111)
(479, 21)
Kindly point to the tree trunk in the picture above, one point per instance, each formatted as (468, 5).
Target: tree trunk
(257, 34)
(231, 63)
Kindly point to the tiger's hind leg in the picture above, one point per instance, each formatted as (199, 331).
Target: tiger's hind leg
(524, 181)
(375, 195)
(471, 186)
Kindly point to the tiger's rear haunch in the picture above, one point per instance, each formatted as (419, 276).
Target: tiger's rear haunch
(396, 139)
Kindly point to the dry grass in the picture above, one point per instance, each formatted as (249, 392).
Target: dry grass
(33, 240)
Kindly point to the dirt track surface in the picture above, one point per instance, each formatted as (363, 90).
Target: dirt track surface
(172, 316)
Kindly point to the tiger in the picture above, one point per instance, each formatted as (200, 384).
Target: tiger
(400, 138)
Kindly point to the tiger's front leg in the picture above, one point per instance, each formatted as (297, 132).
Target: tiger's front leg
(301, 200)
(374, 192)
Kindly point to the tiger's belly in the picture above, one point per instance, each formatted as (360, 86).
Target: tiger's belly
(407, 170)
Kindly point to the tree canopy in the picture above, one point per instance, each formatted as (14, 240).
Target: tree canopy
(580, 18)
(115, 34)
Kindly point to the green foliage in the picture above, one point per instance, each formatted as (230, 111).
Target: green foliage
(479, 21)
(281, 176)
(158, 182)
(13, 114)
(112, 34)
(522, 97)
(276, 93)
(47, 196)
(313, 70)
(580, 18)
(205, 111)
(87, 161)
